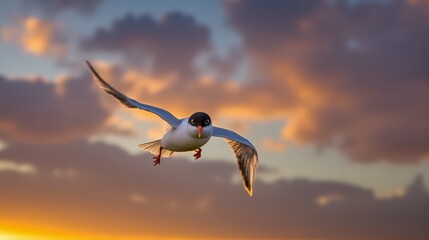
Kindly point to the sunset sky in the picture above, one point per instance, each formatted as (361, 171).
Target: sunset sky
(333, 94)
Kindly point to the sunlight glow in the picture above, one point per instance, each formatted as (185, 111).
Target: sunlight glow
(32, 235)
(15, 236)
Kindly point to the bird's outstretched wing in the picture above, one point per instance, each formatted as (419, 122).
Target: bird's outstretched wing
(131, 103)
(245, 152)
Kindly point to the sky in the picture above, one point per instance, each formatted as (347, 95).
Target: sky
(334, 95)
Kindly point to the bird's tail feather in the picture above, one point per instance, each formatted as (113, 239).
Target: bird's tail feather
(153, 147)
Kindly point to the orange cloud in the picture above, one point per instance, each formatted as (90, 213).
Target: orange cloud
(115, 124)
(254, 100)
(37, 36)
(270, 144)
(352, 81)
(146, 82)
(40, 37)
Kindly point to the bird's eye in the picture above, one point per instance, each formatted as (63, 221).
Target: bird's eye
(207, 121)
(193, 121)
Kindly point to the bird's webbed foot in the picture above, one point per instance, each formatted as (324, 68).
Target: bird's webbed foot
(197, 154)
(158, 158)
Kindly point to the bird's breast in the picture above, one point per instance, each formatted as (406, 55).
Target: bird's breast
(179, 140)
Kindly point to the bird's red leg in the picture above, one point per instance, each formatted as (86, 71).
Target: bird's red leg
(157, 158)
(197, 153)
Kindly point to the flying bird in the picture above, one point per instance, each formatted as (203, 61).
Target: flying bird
(189, 134)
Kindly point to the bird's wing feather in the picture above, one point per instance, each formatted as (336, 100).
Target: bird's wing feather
(131, 103)
(245, 152)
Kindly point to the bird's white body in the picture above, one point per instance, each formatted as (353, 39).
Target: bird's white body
(185, 138)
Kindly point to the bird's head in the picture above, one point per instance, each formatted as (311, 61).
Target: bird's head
(200, 125)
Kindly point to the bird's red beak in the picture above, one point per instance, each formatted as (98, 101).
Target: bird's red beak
(200, 130)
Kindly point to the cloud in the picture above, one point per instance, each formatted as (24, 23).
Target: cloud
(419, 3)
(324, 200)
(356, 73)
(53, 7)
(172, 80)
(193, 199)
(37, 36)
(23, 168)
(7, 34)
(201, 93)
(39, 111)
(270, 144)
(337, 74)
(167, 46)
(64, 173)
(40, 38)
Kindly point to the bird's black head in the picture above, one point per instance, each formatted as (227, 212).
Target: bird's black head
(200, 119)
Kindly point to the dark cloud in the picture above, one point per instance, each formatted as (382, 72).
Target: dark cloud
(39, 111)
(168, 45)
(225, 67)
(53, 7)
(357, 72)
(100, 188)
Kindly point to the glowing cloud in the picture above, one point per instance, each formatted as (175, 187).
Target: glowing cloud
(37, 36)
(40, 37)
(354, 74)
(22, 168)
(270, 144)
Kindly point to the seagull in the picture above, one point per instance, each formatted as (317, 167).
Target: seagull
(189, 134)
